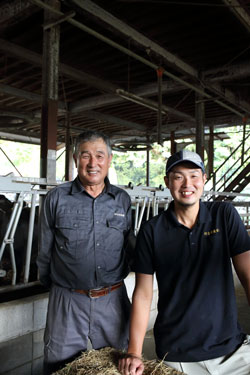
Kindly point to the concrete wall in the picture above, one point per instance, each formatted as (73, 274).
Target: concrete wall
(21, 335)
(22, 325)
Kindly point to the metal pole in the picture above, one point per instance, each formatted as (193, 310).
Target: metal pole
(6, 237)
(10, 233)
(136, 216)
(30, 237)
(211, 151)
(141, 214)
(50, 68)
(243, 140)
(148, 168)
(69, 153)
(200, 117)
(13, 264)
(173, 143)
(148, 209)
(159, 123)
(154, 206)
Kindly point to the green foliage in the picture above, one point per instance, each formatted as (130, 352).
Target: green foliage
(131, 166)
(126, 167)
(26, 158)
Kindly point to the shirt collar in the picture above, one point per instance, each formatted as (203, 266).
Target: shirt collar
(77, 187)
(203, 214)
(171, 215)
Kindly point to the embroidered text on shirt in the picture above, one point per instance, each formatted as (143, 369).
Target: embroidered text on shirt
(213, 231)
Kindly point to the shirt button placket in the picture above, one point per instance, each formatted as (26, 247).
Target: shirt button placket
(190, 239)
(97, 239)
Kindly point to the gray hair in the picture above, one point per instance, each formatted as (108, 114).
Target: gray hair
(92, 135)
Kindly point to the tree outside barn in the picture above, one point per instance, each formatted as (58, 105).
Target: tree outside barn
(126, 166)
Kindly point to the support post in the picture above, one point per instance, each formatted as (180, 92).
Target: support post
(69, 152)
(173, 143)
(200, 120)
(51, 37)
(148, 168)
(211, 151)
(160, 71)
(243, 140)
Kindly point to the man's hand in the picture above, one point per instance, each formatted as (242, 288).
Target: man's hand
(131, 365)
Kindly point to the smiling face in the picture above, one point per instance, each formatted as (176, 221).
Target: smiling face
(92, 162)
(186, 183)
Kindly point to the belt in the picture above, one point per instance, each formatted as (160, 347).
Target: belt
(96, 293)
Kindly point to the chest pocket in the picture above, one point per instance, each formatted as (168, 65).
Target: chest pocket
(70, 232)
(114, 236)
(117, 222)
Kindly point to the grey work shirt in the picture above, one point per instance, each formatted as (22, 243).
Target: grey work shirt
(82, 239)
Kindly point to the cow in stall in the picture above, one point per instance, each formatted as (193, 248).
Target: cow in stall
(20, 242)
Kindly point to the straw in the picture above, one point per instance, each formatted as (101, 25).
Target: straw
(105, 362)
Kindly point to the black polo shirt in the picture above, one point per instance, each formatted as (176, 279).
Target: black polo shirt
(197, 316)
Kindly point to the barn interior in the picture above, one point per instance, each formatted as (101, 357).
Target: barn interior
(142, 72)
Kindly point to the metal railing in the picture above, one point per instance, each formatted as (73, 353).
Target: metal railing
(233, 169)
(146, 203)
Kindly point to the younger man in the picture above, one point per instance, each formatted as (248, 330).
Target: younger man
(190, 247)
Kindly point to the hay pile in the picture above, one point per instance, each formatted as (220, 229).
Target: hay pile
(105, 362)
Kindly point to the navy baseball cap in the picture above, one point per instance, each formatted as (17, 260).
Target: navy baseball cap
(182, 156)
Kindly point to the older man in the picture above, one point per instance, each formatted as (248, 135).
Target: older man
(83, 260)
(190, 247)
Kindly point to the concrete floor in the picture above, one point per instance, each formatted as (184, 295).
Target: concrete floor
(243, 317)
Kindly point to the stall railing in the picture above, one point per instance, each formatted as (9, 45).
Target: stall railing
(146, 203)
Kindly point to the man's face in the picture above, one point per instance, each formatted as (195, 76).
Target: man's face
(92, 162)
(186, 184)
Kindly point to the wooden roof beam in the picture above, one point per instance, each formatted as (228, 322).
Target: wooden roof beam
(228, 72)
(13, 91)
(91, 103)
(114, 120)
(145, 42)
(12, 11)
(75, 74)
(90, 114)
(136, 36)
(238, 10)
(121, 26)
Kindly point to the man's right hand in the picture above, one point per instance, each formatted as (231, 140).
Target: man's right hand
(131, 365)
